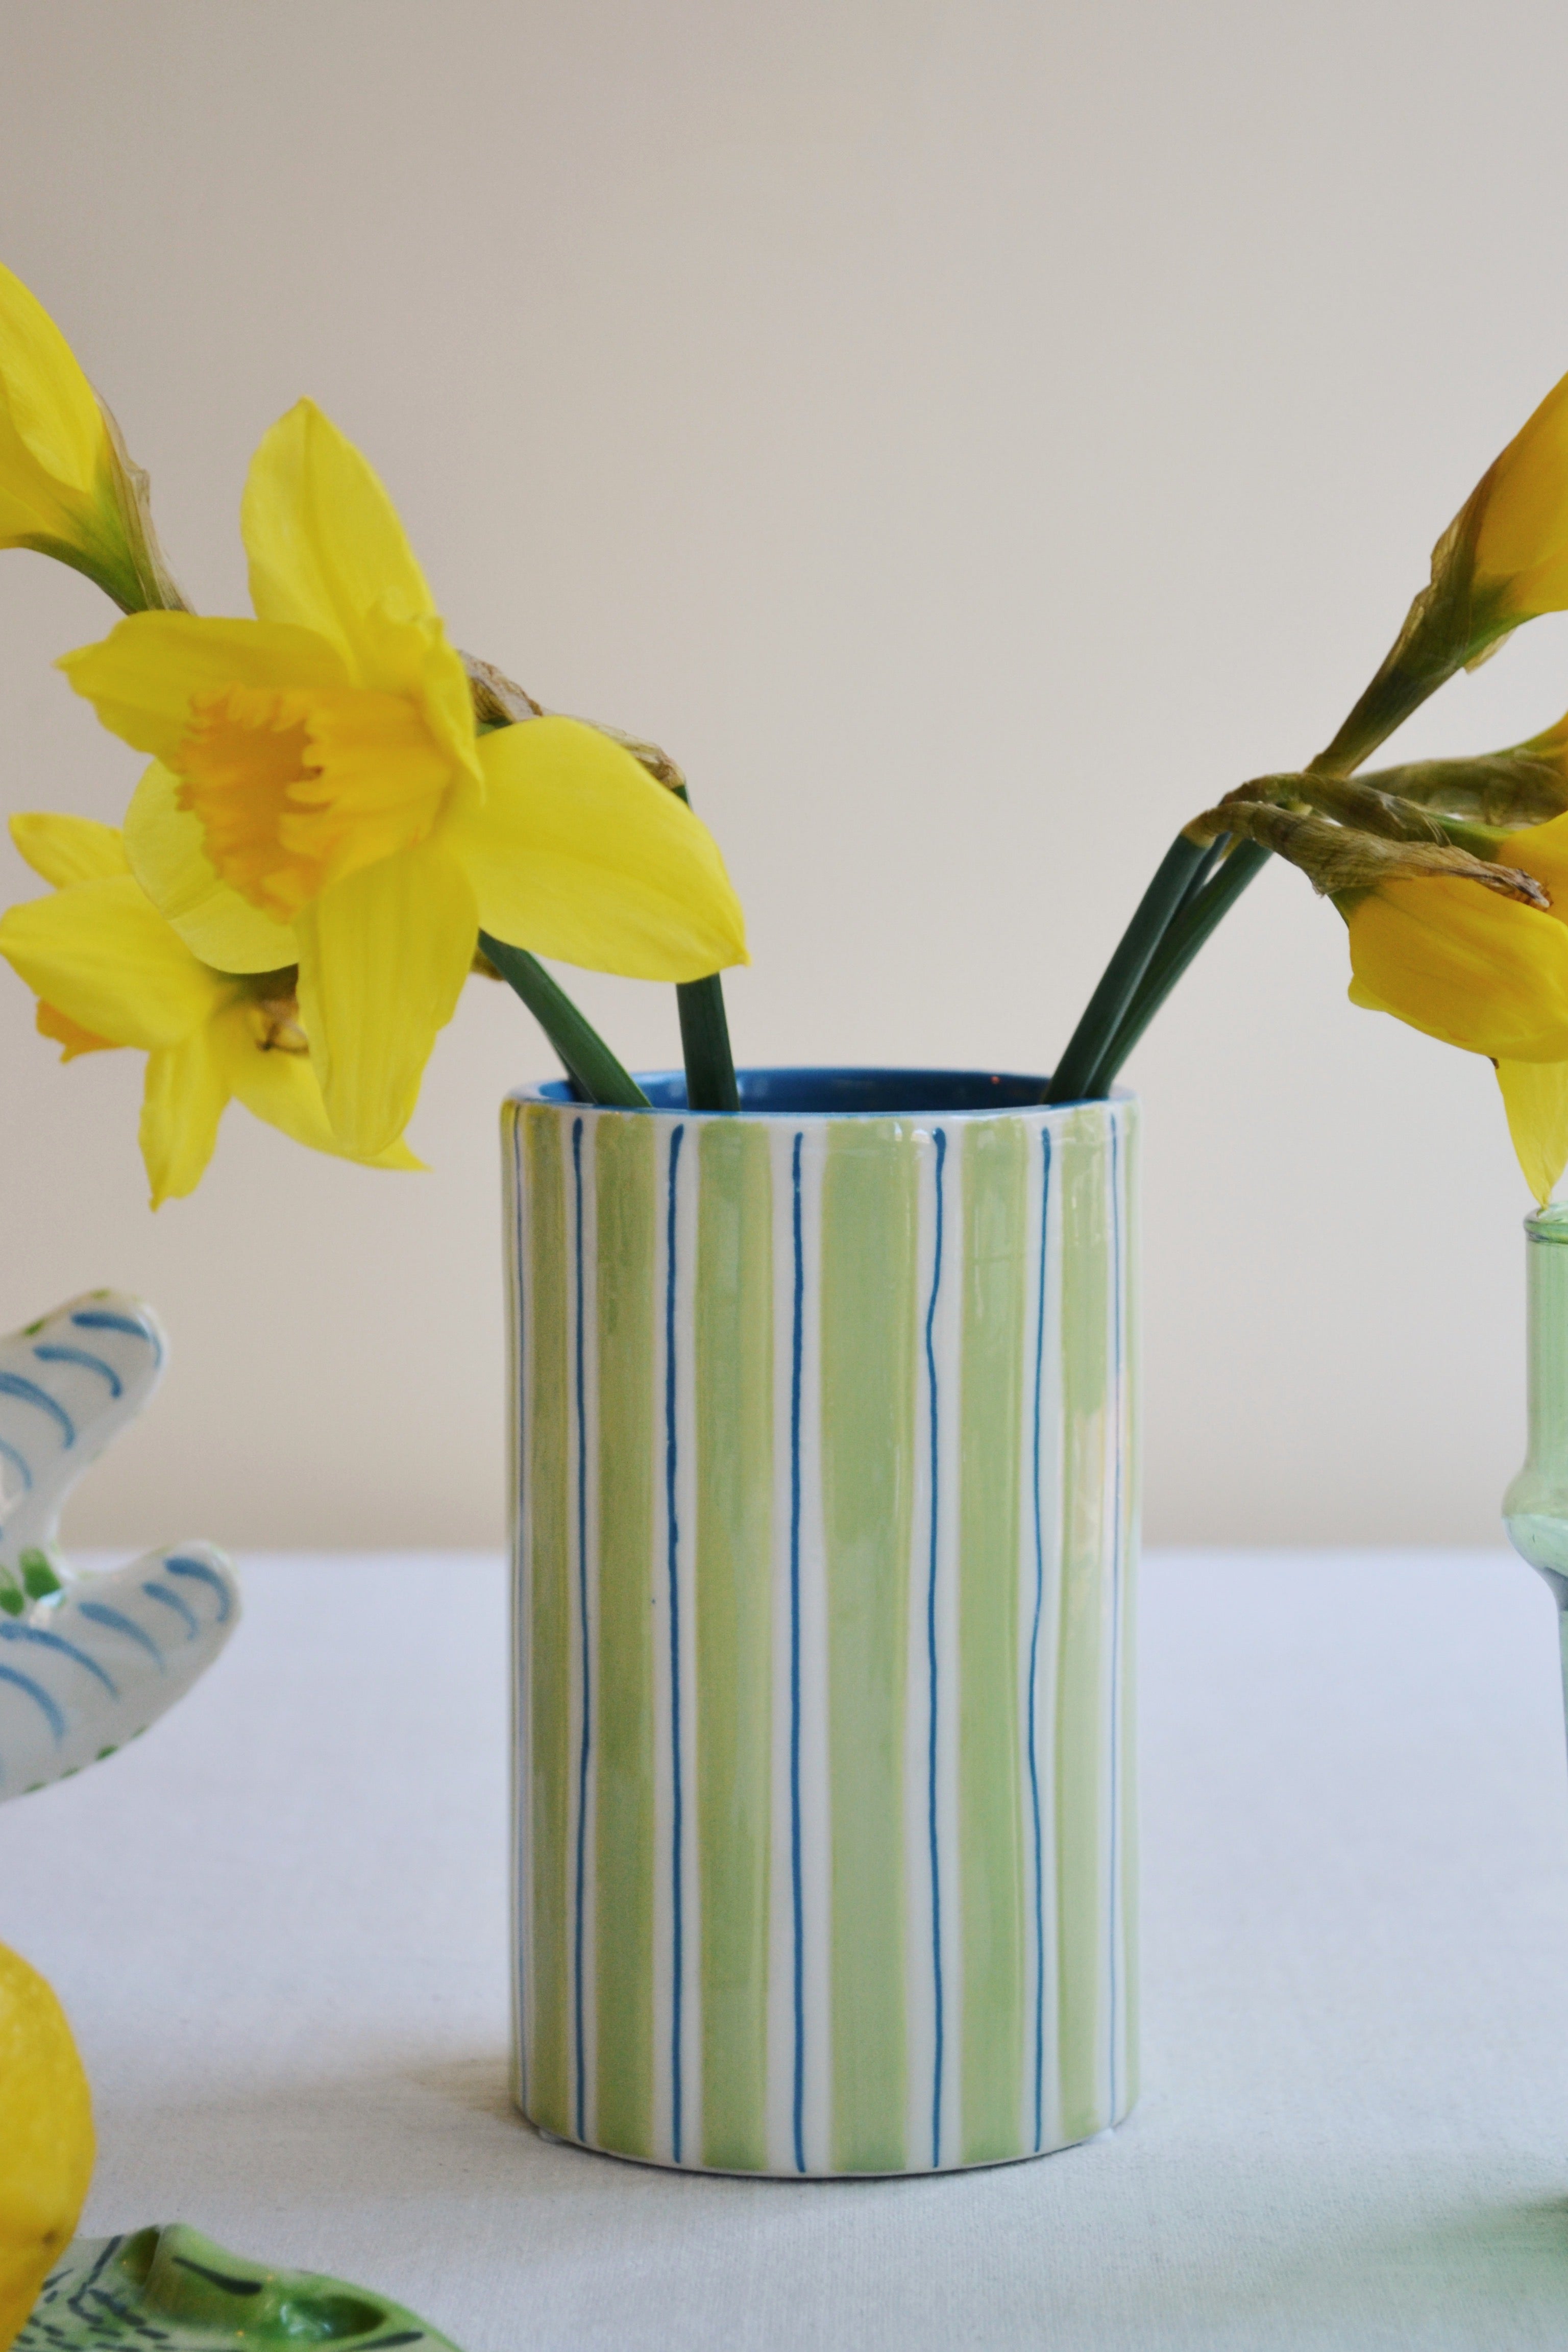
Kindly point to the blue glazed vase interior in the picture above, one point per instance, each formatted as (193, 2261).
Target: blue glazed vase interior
(845, 1093)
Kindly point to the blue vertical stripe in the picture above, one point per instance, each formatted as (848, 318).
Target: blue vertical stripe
(678, 1824)
(582, 1614)
(1035, 1658)
(1116, 1448)
(797, 1336)
(941, 1141)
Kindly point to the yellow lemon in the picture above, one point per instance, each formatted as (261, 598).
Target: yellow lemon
(46, 2137)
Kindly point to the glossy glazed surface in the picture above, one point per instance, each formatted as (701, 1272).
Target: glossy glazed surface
(826, 1528)
(88, 1662)
(172, 2286)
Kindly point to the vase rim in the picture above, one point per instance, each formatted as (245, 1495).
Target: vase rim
(1549, 1223)
(849, 1091)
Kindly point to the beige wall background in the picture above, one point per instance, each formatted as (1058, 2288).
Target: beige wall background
(971, 437)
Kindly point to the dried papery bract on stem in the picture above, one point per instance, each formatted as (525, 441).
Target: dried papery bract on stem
(1525, 785)
(1337, 858)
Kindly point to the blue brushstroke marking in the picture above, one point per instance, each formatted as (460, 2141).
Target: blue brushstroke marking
(28, 1393)
(940, 1140)
(582, 1614)
(35, 1635)
(102, 1319)
(48, 1354)
(520, 1698)
(1034, 1660)
(678, 1956)
(1117, 1440)
(41, 1698)
(200, 1573)
(170, 1600)
(798, 1335)
(18, 1462)
(101, 1613)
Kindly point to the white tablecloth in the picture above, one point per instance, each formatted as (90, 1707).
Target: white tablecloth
(278, 1926)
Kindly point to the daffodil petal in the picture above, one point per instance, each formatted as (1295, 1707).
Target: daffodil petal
(1535, 1096)
(68, 1034)
(283, 1089)
(327, 551)
(56, 465)
(1464, 964)
(103, 954)
(45, 398)
(140, 678)
(167, 849)
(575, 852)
(68, 848)
(383, 958)
(181, 1102)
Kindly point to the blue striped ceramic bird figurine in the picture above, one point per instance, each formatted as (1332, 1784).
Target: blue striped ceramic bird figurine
(86, 1662)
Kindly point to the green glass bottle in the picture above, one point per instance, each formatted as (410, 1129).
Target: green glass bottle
(1535, 1507)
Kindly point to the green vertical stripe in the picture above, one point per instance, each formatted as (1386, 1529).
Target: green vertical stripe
(1128, 1970)
(734, 1360)
(990, 1797)
(550, 1619)
(624, 1227)
(868, 1340)
(1088, 1432)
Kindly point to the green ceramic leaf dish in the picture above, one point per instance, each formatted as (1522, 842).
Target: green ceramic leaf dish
(173, 2288)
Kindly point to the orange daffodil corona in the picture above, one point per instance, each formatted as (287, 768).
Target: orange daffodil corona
(320, 796)
(109, 971)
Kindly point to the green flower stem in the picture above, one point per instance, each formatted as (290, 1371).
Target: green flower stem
(1186, 936)
(588, 1060)
(705, 1036)
(1106, 1008)
(705, 1045)
(1213, 857)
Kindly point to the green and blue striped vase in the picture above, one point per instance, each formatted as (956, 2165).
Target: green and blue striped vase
(825, 1506)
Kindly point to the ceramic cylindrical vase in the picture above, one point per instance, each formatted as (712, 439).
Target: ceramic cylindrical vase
(825, 1503)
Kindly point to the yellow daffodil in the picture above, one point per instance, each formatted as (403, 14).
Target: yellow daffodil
(1483, 972)
(67, 488)
(321, 795)
(1502, 560)
(108, 971)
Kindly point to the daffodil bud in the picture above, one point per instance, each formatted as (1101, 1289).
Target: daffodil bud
(1502, 560)
(67, 486)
